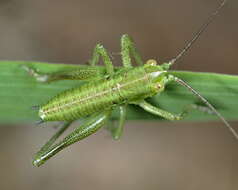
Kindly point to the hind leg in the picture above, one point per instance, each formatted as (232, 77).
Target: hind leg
(90, 126)
(86, 74)
(82, 73)
(52, 140)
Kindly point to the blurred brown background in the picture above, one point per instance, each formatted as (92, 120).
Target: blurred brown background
(149, 155)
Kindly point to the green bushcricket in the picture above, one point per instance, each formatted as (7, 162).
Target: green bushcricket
(104, 92)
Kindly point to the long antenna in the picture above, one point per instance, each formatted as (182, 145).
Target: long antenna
(198, 33)
(183, 83)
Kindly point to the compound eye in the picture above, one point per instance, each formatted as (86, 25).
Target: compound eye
(151, 62)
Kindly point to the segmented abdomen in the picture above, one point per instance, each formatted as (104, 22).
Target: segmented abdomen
(96, 96)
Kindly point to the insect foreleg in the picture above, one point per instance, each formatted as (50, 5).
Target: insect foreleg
(85, 74)
(99, 50)
(127, 48)
(162, 113)
(205, 101)
(116, 131)
(91, 125)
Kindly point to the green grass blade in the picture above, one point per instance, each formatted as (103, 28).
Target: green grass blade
(19, 92)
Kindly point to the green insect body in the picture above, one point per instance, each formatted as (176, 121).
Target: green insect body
(126, 87)
(114, 89)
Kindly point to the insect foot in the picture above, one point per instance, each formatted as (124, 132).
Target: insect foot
(33, 72)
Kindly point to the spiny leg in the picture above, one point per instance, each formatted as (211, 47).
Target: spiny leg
(127, 48)
(162, 113)
(49, 143)
(171, 116)
(99, 50)
(85, 74)
(90, 126)
(116, 131)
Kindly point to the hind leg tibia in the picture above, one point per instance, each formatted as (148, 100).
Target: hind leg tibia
(90, 126)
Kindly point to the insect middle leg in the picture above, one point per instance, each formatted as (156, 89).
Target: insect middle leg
(127, 48)
(99, 50)
(116, 131)
(90, 126)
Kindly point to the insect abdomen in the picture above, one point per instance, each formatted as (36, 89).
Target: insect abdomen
(96, 96)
